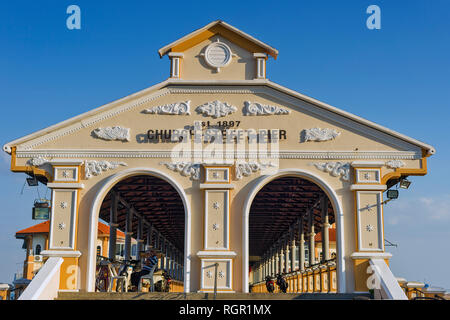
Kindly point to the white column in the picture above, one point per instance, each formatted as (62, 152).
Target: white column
(325, 230)
(280, 258)
(286, 255)
(149, 235)
(140, 238)
(175, 68)
(113, 227)
(301, 243)
(292, 243)
(260, 65)
(128, 233)
(312, 234)
(273, 264)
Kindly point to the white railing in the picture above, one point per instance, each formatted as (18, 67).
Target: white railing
(45, 284)
(390, 289)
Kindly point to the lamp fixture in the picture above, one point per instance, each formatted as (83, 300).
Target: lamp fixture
(404, 183)
(32, 182)
(392, 194)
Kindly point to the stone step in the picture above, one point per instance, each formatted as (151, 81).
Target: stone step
(204, 296)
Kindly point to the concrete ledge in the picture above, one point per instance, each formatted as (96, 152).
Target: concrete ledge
(61, 253)
(65, 185)
(216, 254)
(216, 186)
(369, 255)
(376, 187)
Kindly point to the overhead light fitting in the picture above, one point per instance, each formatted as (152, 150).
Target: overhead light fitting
(404, 183)
(392, 194)
(32, 182)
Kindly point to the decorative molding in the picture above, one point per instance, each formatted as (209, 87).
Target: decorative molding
(220, 91)
(216, 205)
(65, 174)
(282, 154)
(264, 86)
(81, 124)
(216, 109)
(37, 161)
(258, 109)
(63, 205)
(394, 164)
(317, 134)
(217, 55)
(336, 169)
(215, 226)
(185, 168)
(177, 108)
(245, 169)
(112, 133)
(95, 168)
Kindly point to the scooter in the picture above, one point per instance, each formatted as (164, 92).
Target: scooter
(167, 280)
(269, 284)
(282, 283)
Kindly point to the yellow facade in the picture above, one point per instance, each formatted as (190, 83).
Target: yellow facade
(367, 150)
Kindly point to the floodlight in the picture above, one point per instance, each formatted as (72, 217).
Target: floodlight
(32, 182)
(392, 194)
(404, 183)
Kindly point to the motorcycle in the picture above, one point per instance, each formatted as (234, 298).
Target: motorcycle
(269, 284)
(167, 280)
(282, 283)
(163, 285)
(126, 268)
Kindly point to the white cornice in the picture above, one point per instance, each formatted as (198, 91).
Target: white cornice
(283, 154)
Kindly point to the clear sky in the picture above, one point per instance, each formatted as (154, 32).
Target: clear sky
(397, 76)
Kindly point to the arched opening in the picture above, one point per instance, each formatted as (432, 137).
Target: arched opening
(144, 212)
(293, 225)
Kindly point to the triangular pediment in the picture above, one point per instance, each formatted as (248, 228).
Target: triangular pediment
(309, 125)
(222, 28)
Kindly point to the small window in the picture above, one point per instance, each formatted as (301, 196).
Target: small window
(38, 249)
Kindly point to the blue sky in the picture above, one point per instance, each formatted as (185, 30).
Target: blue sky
(397, 76)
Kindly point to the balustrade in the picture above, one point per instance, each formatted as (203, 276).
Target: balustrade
(319, 278)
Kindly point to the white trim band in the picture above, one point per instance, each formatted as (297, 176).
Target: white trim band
(61, 253)
(63, 185)
(367, 164)
(216, 254)
(370, 255)
(375, 187)
(216, 186)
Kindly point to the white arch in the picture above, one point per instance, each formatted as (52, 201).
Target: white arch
(339, 218)
(95, 209)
